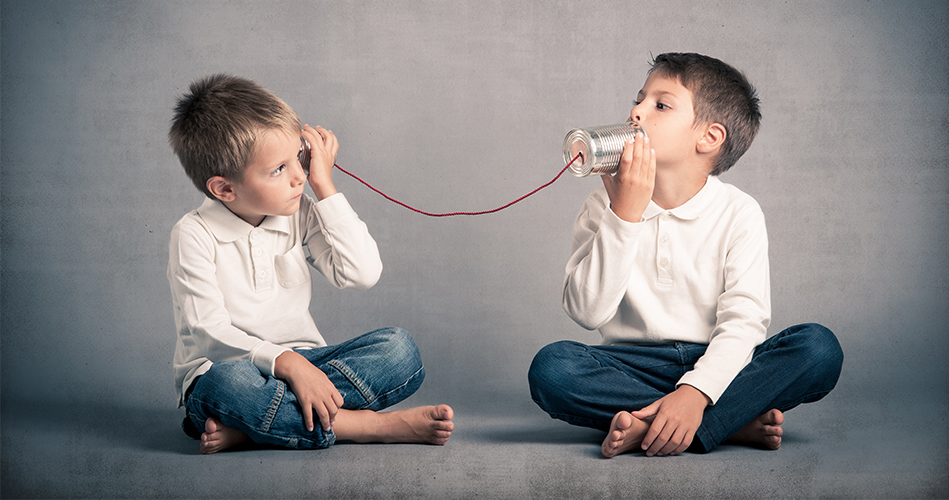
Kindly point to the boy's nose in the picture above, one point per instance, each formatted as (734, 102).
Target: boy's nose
(299, 176)
(635, 115)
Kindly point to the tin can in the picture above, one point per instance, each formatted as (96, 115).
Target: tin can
(304, 155)
(600, 148)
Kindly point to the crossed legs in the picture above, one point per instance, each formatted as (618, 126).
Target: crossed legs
(597, 386)
(235, 403)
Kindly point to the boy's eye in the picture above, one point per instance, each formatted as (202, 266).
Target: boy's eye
(280, 169)
(661, 105)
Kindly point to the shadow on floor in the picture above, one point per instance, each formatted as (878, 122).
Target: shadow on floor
(143, 429)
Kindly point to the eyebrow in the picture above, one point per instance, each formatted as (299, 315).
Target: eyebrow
(661, 93)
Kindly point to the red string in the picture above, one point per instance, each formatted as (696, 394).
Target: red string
(449, 214)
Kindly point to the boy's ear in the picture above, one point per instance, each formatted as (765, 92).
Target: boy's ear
(712, 139)
(221, 188)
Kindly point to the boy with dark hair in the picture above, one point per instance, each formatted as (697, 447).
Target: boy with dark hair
(250, 364)
(671, 266)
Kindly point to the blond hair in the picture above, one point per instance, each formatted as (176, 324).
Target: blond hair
(217, 124)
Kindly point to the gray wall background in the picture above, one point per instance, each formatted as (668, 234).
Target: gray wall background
(463, 106)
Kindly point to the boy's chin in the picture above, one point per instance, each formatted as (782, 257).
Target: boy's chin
(293, 208)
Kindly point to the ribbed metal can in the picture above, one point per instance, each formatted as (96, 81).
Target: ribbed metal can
(600, 147)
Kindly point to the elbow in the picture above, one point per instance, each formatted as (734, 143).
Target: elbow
(583, 316)
(367, 277)
(587, 322)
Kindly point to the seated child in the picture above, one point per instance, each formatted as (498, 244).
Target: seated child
(250, 364)
(671, 265)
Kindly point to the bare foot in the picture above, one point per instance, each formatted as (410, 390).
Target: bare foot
(764, 431)
(626, 434)
(217, 437)
(422, 424)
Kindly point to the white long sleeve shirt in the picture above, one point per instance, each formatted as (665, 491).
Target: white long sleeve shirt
(697, 273)
(243, 292)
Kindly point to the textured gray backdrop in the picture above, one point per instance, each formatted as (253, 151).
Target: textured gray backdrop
(463, 106)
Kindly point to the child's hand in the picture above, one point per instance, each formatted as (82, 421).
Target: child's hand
(630, 188)
(314, 392)
(675, 418)
(323, 148)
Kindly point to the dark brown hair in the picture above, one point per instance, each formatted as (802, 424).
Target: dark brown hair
(720, 94)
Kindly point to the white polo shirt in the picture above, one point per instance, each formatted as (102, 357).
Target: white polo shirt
(243, 292)
(696, 273)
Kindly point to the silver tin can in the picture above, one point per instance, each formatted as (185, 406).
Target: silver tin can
(600, 147)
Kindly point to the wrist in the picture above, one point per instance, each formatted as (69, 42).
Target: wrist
(287, 365)
(323, 189)
(695, 394)
(626, 214)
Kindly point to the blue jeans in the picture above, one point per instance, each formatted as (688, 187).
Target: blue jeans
(371, 372)
(587, 385)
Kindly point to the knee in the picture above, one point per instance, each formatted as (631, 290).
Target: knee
(550, 369)
(400, 350)
(822, 348)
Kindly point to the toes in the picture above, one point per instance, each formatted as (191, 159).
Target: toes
(442, 412)
(212, 425)
(443, 425)
(209, 446)
(773, 417)
(622, 420)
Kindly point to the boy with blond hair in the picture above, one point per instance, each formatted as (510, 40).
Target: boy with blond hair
(671, 266)
(250, 364)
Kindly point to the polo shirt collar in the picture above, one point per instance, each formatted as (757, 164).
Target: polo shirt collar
(228, 227)
(693, 208)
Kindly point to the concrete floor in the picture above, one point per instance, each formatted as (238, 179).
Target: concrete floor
(52, 451)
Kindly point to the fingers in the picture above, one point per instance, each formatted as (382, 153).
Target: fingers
(326, 417)
(631, 187)
(332, 408)
(307, 416)
(677, 443)
(316, 409)
(648, 412)
(326, 413)
(652, 435)
(655, 429)
(658, 438)
(636, 157)
(666, 438)
(626, 159)
(325, 410)
(323, 139)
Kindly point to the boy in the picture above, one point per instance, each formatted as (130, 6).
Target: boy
(671, 265)
(249, 363)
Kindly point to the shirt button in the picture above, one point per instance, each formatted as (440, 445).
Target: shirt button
(663, 262)
(262, 274)
(258, 252)
(253, 235)
(664, 238)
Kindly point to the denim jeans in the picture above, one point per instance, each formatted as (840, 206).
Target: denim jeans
(371, 372)
(587, 385)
